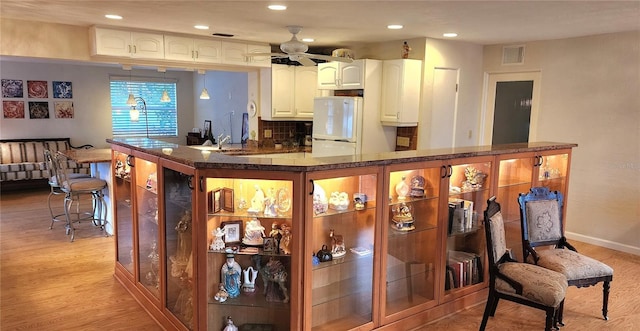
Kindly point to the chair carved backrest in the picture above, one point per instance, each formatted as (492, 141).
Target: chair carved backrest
(62, 172)
(494, 229)
(541, 216)
(52, 166)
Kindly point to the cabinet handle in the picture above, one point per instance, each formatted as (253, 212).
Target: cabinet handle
(535, 161)
(201, 183)
(197, 55)
(134, 49)
(128, 48)
(541, 160)
(450, 170)
(190, 182)
(312, 186)
(129, 159)
(398, 115)
(443, 171)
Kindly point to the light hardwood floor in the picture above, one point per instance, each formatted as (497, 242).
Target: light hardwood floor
(48, 283)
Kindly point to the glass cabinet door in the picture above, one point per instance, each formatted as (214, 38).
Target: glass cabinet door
(341, 235)
(122, 207)
(179, 245)
(469, 189)
(411, 238)
(250, 231)
(553, 171)
(146, 190)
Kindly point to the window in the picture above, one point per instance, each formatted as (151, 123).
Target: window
(162, 117)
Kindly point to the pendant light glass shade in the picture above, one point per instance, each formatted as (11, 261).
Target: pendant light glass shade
(134, 115)
(205, 94)
(131, 101)
(165, 97)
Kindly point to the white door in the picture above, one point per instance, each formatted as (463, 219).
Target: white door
(488, 116)
(444, 108)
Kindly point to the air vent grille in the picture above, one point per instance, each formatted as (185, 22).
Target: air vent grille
(513, 54)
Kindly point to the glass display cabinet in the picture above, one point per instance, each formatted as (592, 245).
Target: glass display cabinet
(122, 207)
(411, 239)
(342, 216)
(469, 188)
(253, 234)
(146, 195)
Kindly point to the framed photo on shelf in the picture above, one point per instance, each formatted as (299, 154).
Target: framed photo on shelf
(232, 232)
(215, 201)
(207, 127)
(269, 245)
(227, 199)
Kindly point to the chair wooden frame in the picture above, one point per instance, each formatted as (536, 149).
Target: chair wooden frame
(553, 314)
(528, 245)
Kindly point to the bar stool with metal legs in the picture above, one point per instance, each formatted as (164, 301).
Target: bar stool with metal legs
(76, 188)
(53, 184)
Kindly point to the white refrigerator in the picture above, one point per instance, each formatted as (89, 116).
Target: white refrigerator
(340, 127)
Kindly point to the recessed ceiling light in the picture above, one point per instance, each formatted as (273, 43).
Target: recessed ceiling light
(450, 34)
(277, 7)
(201, 27)
(308, 40)
(394, 26)
(113, 17)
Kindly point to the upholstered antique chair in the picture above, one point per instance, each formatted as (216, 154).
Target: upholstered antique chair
(74, 189)
(522, 283)
(53, 183)
(544, 243)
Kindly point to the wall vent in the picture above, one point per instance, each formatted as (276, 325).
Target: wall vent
(513, 54)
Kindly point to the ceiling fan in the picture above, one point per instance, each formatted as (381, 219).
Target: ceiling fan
(296, 50)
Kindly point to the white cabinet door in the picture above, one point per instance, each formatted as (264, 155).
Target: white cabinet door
(328, 75)
(234, 53)
(207, 51)
(352, 75)
(400, 92)
(259, 61)
(282, 91)
(305, 91)
(178, 48)
(147, 45)
(111, 42)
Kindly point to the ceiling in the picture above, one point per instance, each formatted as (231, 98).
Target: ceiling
(346, 23)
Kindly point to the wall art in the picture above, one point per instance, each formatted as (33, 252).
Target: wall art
(13, 109)
(38, 110)
(63, 109)
(62, 90)
(37, 89)
(12, 88)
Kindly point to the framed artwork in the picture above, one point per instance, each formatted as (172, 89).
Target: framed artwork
(269, 244)
(215, 200)
(63, 109)
(13, 109)
(207, 127)
(232, 232)
(62, 90)
(38, 89)
(38, 109)
(227, 199)
(12, 88)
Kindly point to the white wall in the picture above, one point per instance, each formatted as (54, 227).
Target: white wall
(590, 96)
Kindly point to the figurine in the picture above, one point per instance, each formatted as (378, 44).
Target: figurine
(183, 249)
(475, 179)
(405, 50)
(339, 201)
(273, 273)
(403, 218)
(285, 243)
(402, 189)
(230, 326)
(270, 205)
(218, 243)
(320, 202)
(253, 233)
(250, 276)
(221, 295)
(337, 248)
(276, 234)
(257, 202)
(230, 276)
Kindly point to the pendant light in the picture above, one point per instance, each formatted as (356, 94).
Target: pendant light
(204, 95)
(165, 95)
(131, 101)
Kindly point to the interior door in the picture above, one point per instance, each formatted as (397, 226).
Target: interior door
(444, 108)
(510, 97)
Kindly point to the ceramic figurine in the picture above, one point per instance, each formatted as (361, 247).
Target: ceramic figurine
(250, 276)
(270, 205)
(474, 179)
(273, 273)
(285, 242)
(230, 276)
(218, 242)
(230, 326)
(257, 202)
(337, 248)
(339, 201)
(402, 189)
(405, 50)
(276, 234)
(253, 233)
(403, 218)
(221, 295)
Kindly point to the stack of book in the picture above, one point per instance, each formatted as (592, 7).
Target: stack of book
(463, 269)
(461, 218)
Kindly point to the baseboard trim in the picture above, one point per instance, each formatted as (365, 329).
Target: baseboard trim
(604, 243)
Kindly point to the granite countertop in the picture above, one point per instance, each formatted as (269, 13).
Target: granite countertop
(238, 158)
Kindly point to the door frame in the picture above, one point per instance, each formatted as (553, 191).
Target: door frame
(489, 98)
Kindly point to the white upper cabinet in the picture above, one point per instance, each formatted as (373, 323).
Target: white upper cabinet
(127, 43)
(293, 89)
(400, 92)
(341, 76)
(192, 49)
(237, 53)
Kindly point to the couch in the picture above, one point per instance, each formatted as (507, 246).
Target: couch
(22, 162)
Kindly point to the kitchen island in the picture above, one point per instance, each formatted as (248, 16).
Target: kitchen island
(340, 243)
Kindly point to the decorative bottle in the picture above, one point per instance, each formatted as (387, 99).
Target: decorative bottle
(402, 189)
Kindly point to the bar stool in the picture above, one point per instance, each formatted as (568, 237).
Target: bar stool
(73, 190)
(53, 184)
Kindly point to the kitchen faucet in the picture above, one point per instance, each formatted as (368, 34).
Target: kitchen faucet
(221, 140)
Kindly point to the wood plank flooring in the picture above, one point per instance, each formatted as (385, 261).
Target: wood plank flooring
(48, 283)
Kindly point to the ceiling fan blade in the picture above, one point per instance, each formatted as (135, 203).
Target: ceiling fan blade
(329, 58)
(266, 54)
(305, 61)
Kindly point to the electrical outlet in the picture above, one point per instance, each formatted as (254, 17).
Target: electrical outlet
(267, 133)
(403, 141)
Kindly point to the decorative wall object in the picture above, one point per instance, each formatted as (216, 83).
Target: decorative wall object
(38, 89)
(38, 109)
(12, 88)
(62, 90)
(13, 109)
(63, 109)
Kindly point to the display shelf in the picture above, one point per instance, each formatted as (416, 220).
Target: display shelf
(349, 257)
(345, 323)
(255, 299)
